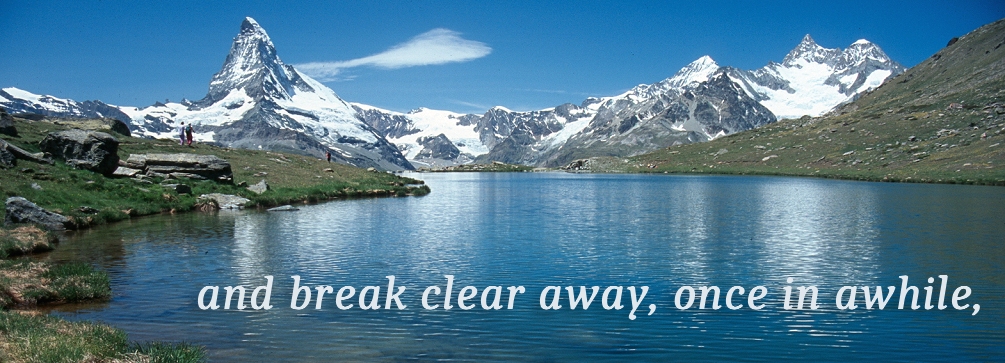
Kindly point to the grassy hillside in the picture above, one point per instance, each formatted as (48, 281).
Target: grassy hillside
(941, 121)
(292, 178)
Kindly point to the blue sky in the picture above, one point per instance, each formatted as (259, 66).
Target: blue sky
(456, 55)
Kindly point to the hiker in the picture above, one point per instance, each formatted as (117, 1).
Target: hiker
(188, 134)
(181, 134)
(328, 155)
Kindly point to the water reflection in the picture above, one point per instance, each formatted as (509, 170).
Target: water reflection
(539, 230)
(808, 227)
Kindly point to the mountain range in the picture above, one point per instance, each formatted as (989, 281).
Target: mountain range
(942, 120)
(257, 101)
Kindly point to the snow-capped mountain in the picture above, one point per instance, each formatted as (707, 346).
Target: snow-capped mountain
(702, 101)
(699, 103)
(427, 137)
(812, 80)
(255, 101)
(691, 106)
(19, 101)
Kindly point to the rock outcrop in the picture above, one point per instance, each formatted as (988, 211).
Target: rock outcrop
(223, 201)
(260, 187)
(192, 166)
(7, 123)
(20, 210)
(89, 150)
(7, 159)
(438, 147)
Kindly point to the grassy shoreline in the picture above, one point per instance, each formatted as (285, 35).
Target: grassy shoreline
(995, 179)
(89, 200)
(939, 145)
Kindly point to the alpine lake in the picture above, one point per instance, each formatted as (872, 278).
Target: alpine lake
(487, 234)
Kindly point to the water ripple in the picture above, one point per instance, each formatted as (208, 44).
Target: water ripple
(554, 229)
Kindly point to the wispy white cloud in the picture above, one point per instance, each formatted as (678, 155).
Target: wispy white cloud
(476, 106)
(437, 46)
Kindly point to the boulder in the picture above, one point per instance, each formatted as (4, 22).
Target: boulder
(89, 150)
(182, 165)
(224, 201)
(20, 210)
(7, 123)
(7, 159)
(260, 187)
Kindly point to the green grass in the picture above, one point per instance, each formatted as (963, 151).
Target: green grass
(292, 179)
(27, 283)
(39, 338)
(24, 240)
(29, 338)
(171, 353)
(62, 189)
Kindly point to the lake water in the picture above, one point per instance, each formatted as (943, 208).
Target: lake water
(555, 229)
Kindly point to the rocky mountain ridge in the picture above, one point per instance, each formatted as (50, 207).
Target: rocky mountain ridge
(256, 101)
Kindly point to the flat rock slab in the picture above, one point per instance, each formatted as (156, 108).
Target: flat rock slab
(24, 155)
(225, 201)
(126, 172)
(192, 166)
(284, 208)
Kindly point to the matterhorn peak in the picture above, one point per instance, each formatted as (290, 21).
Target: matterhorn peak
(250, 30)
(250, 25)
(253, 66)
